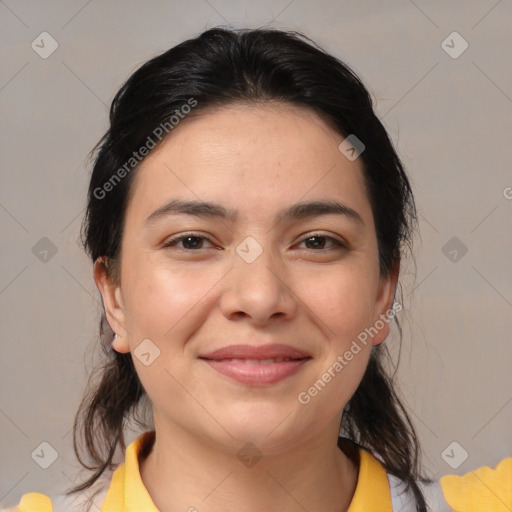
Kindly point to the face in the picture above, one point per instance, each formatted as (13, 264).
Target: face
(263, 273)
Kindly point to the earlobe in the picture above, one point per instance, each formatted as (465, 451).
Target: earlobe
(112, 298)
(120, 344)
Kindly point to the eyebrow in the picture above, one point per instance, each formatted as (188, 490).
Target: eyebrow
(298, 211)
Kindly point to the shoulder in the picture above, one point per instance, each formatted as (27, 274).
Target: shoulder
(37, 502)
(484, 488)
(90, 501)
(104, 492)
(32, 502)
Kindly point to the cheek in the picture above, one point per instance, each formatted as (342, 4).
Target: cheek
(159, 299)
(343, 299)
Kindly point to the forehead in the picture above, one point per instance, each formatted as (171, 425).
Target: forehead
(224, 131)
(241, 153)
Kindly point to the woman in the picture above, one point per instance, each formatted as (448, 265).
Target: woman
(247, 215)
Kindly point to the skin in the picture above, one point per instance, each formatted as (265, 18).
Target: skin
(308, 293)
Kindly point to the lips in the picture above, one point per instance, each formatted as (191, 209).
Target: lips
(257, 366)
(251, 353)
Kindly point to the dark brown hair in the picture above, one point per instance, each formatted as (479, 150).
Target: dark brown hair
(219, 67)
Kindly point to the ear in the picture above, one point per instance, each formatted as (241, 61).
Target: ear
(384, 311)
(113, 304)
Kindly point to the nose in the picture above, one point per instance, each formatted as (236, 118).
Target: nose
(260, 290)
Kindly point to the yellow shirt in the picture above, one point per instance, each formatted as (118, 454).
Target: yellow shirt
(483, 490)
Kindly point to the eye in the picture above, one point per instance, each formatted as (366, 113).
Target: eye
(319, 242)
(190, 242)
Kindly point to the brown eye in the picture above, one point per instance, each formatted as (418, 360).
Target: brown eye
(190, 242)
(318, 242)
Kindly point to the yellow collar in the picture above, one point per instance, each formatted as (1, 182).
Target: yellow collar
(128, 494)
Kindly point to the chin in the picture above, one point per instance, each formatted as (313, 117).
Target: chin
(271, 428)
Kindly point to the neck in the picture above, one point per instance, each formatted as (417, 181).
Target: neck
(184, 473)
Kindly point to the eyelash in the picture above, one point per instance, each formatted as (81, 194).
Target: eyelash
(174, 241)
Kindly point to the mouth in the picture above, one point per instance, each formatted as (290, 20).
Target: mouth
(255, 361)
(257, 366)
(256, 352)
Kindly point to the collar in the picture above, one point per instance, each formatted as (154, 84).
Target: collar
(127, 492)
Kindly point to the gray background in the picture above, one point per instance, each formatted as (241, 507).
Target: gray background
(450, 119)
